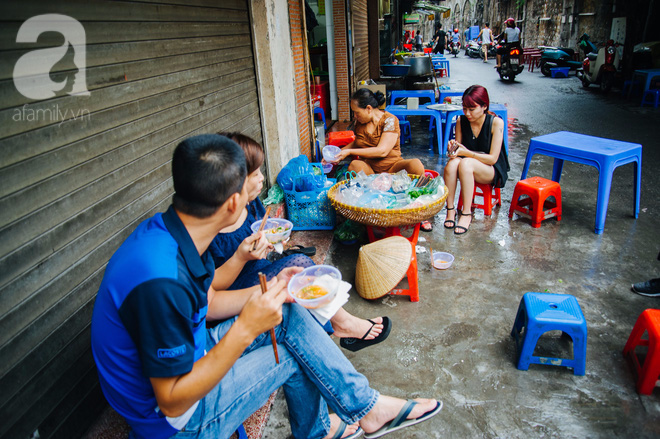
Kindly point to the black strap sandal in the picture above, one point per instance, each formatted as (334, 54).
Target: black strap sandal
(452, 223)
(460, 230)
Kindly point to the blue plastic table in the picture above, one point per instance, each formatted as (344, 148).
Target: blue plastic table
(447, 93)
(498, 109)
(401, 111)
(603, 154)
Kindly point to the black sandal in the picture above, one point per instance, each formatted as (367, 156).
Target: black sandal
(452, 222)
(460, 230)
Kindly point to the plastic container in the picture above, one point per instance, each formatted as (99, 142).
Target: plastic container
(442, 260)
(330, 152)
(559, 72)
(431, 173)
(272, 223)
(323, 275)
(340, 138)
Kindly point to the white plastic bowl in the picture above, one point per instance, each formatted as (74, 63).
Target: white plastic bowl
(330, 153)
(272, 223)
(442, 260)
(309, 276)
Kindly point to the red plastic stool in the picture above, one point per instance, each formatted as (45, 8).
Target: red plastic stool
(491, 197)
(537, 207)
(648, 372)
(412, 273)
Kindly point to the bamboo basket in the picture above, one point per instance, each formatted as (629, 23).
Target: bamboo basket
(386, 217)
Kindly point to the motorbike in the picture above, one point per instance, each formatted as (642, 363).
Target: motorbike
(552, 57)
(511, 65)
(586, 45)
(455, 47)
(492, 51)
(473, 49)
(601, 68)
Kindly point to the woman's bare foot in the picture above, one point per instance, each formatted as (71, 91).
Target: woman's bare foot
(450, 219)
(386, 409)
(335, 422)
(347, 325)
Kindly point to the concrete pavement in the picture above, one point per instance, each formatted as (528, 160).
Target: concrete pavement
(455, 344)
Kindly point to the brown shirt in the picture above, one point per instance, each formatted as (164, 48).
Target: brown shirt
(363, 139)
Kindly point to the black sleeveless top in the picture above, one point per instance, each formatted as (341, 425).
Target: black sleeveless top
(482, 144)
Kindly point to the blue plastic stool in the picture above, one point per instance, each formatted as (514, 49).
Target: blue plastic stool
(628, 87)
(406, 134)
(654, 93)
(539, 313)
(242, 434)
(319, 110)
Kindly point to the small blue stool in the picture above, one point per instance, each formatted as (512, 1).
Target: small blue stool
(319, 110)
(539, 313)
(653, 93)
(628, 87)
(406, 134)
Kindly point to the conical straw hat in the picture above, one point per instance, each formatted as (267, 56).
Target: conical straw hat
(381, 266)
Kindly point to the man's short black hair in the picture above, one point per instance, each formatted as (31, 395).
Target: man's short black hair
(207, 170)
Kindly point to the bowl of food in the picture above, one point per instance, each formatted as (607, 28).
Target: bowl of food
(442, 260)
(315, 286)
(276, 229)
(330, 153)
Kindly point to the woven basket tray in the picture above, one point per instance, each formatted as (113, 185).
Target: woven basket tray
(386, 217)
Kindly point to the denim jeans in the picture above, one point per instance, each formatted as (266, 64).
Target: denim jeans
(313, 372)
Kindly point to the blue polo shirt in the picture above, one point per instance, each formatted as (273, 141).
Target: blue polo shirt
(149, 320)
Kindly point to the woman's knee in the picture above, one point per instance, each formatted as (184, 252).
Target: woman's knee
(359, 165)
(465, 167)
(415, 166)
(451, 167)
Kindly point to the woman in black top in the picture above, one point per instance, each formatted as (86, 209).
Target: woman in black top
(477, 154)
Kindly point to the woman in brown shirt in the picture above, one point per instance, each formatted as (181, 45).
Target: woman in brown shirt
(376, 138)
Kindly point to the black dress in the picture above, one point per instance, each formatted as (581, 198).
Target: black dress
(482, 144)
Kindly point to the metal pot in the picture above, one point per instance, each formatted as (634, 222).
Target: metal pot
(419, 65)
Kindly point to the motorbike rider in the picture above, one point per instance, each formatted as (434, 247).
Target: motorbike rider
(511, 37)
(456, 36)
(486, 36)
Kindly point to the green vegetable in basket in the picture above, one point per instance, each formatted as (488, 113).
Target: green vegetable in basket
(349, 231)
(275, 195)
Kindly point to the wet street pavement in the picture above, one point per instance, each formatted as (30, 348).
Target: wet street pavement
(455, 343)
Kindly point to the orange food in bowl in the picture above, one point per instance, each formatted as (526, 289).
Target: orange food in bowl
(311, 292)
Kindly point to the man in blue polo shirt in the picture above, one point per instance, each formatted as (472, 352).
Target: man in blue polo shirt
(169, 376)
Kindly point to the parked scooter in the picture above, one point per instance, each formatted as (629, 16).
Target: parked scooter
(552, 57)
(600, 68)
(586, 46)
(511, 65)
(455, 47)
(473, 49)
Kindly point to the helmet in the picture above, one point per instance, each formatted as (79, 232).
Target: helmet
(456, 30)
(510, 21)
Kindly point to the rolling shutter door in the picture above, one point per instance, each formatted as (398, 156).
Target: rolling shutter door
(360, 41)
(79, 173)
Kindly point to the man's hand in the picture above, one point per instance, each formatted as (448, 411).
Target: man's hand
(286, 275)
(264, 311)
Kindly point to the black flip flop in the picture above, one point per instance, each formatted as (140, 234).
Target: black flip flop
(307, 251)
(355, 344)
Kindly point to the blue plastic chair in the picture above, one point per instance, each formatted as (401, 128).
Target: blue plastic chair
(441, 64)
(406, 133)
(319, 110)
(539, 313)
(603, 154)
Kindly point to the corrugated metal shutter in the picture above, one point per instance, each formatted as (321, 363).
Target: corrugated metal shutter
(360, 40)
(78, 173)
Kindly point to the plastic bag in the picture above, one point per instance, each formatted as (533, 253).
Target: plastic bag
(400, 181)
(275, 195)
(296, 167)
(382, 182)
(349, 231)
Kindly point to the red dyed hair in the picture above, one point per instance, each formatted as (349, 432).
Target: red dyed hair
(476, 95)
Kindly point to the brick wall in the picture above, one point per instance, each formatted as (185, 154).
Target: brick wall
(341, 60)
(300, 77)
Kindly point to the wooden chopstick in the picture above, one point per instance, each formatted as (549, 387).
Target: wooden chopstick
(264, 288)
(261, 227)
(431, 255)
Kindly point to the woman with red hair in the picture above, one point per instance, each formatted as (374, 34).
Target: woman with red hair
(477, 154)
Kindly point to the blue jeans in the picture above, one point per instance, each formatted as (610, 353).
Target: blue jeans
(313, 372)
